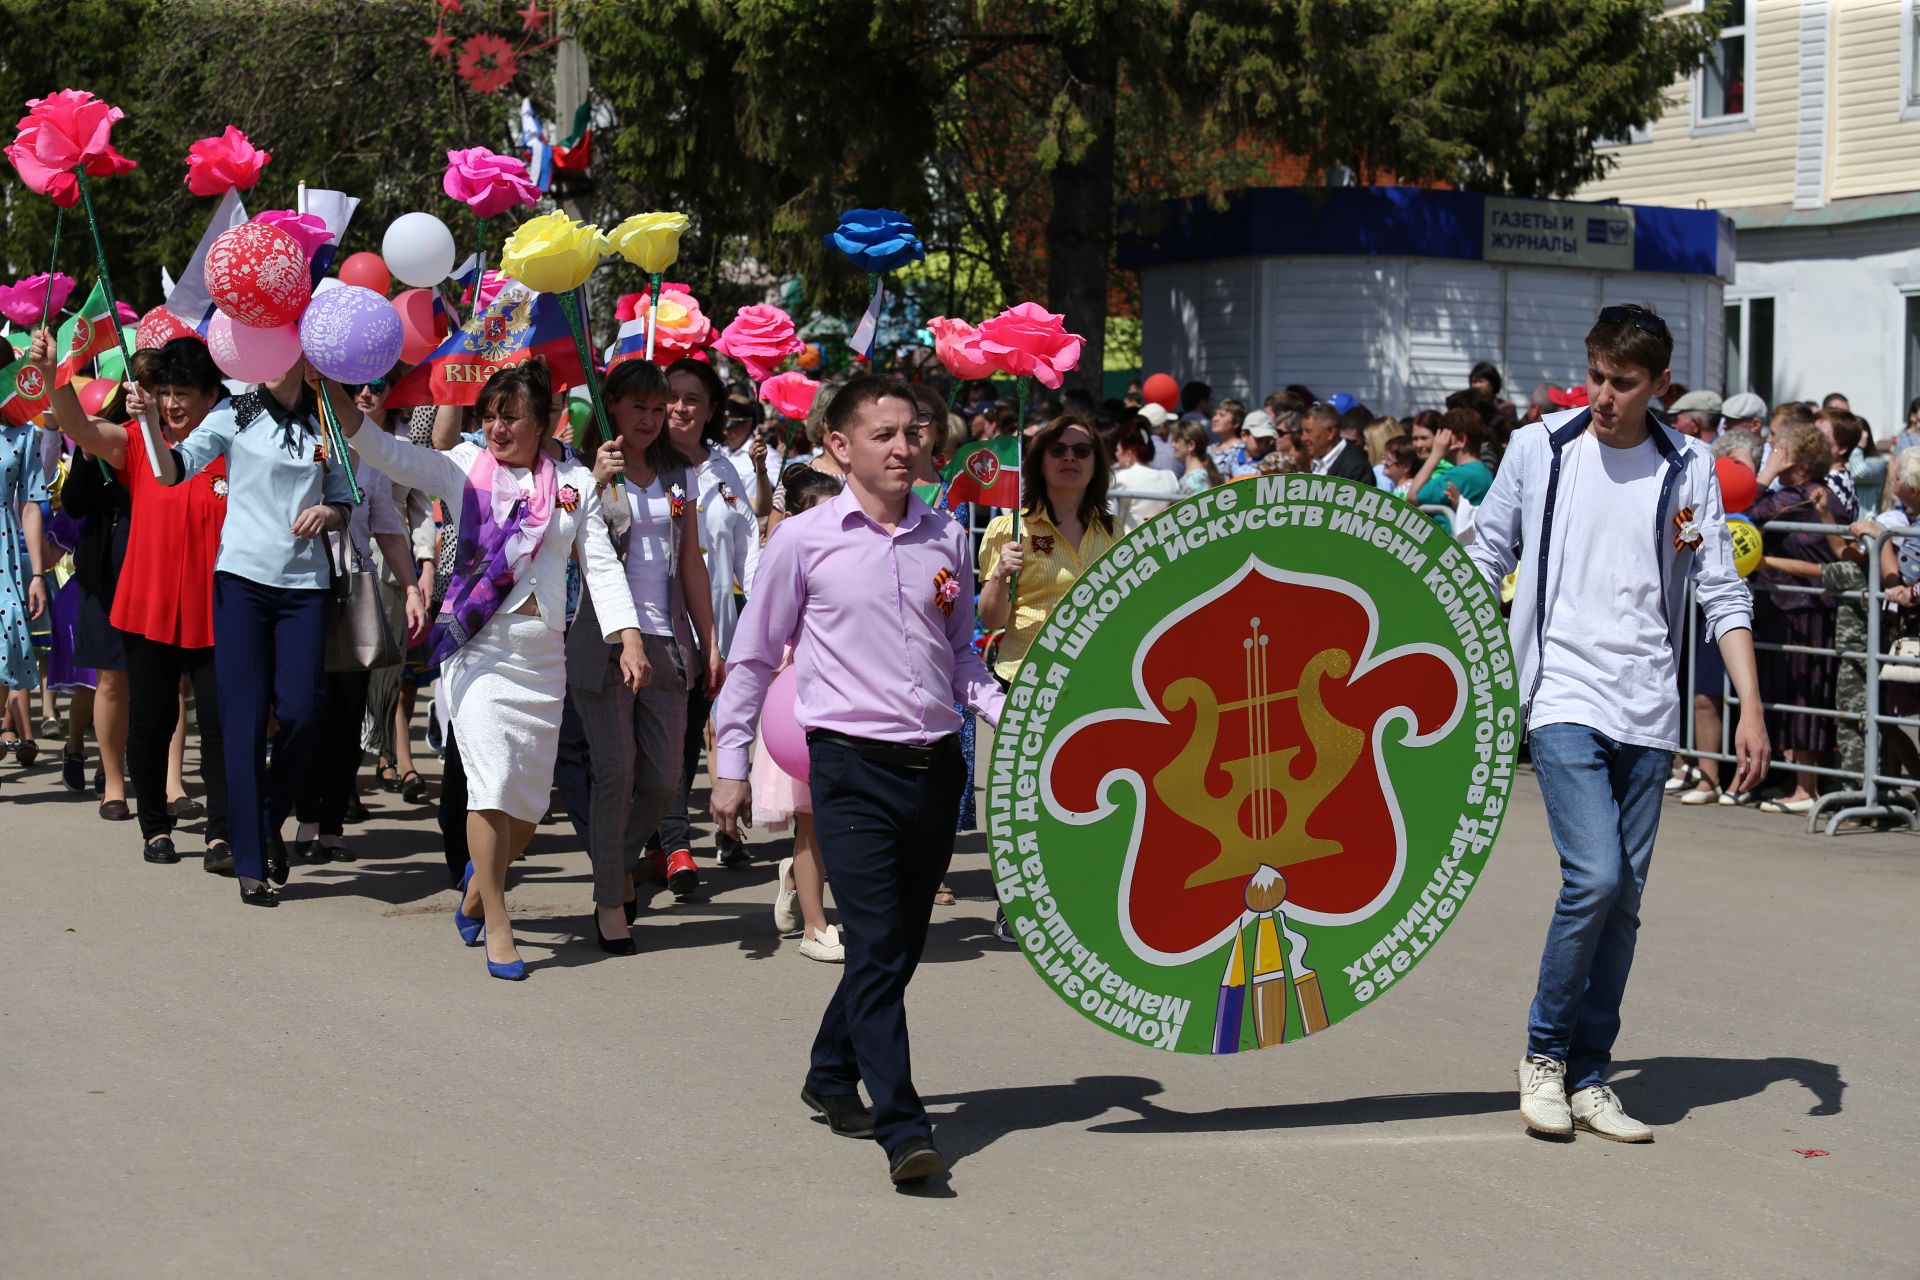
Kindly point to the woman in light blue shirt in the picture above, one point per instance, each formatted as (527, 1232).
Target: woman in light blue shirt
(269, 603)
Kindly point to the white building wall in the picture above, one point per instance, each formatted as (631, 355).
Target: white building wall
(1401, 333)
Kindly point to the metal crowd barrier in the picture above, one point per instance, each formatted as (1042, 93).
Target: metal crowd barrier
(1866, 793)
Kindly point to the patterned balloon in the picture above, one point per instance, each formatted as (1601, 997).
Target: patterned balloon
(257, 275)
(159, 327)
(352, 334)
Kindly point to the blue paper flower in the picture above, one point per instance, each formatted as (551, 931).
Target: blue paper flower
(877, 240)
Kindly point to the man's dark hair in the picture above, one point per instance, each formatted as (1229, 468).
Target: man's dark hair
(861, 391)
(1354, 422)
(1487, 371)
(1193, 395)
(1468, 427)
(1483, 405)
(1631, 334)
(802, 486)
(1832, 396)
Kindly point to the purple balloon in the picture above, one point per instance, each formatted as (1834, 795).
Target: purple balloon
(351, 334)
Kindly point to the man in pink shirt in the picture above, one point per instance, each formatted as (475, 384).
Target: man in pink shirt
(874, 590)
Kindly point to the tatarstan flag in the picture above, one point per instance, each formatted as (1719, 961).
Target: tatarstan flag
(23, 393)
(986, 472)
(86, 335)
(516, 326)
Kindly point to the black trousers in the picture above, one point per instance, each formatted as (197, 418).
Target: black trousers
(676, 830)
(886, 833)
(453, 810)
(327, 788)
(153, 712)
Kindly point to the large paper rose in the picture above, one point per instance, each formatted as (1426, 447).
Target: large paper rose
(61, 133)
(790, 394)
(650, 241)
(684, 329)
(488, 183)
(309, 230)
(225, 163)
(876, 240)
(25, 301)
(760, 337)
(553, 253)
(1030, 341)
(957, 344)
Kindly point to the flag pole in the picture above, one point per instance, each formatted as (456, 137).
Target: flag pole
(113, 307)
(1020, 385)
(46, 312)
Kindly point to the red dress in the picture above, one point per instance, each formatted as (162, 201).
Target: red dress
(166, 583)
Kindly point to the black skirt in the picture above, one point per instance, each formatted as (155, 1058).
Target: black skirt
(1797, 679)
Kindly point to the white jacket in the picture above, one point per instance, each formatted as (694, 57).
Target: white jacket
(1515, 530)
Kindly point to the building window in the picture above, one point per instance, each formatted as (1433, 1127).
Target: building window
(1636, 135)
(1912, 352)
(1750, 346)
(1720, 88)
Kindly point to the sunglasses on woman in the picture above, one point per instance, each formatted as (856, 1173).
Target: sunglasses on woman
(354, 388)
(1060, 449)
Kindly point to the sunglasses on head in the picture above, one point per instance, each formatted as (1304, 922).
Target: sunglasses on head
(1060, 449)
(1639, 317)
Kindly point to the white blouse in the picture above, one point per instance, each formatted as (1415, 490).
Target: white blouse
(584, 528)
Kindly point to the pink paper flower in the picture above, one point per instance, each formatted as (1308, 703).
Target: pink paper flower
(957, 344)
(489, 184)
(24, 301)
(790, 394)
(126, 313)
(684, 329)
(491, 283)
(1030, 341)
(309, 230)
(61, 133)
(760, 337)
(225, 163)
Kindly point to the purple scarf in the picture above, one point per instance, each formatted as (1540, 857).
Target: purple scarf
(500, 529)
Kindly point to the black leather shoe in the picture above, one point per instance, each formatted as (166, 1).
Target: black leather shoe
(276, 858)
(845, 1116)
(624, 946)
(73, 773)
(309, 853)
(256, 893)
(218, 860)
(915, 1160)
(356, 812)
(161, 850)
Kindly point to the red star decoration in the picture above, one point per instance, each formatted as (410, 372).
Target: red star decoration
(533, 17)
(488, 63)
(449, 6)
(440, 44)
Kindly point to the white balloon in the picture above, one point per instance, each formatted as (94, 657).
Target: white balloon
(418, 250)
(330, 282)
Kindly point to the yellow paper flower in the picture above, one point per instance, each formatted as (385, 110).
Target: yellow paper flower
(650, 241)
(553, 253)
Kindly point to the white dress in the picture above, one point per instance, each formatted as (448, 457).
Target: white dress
(504, 688)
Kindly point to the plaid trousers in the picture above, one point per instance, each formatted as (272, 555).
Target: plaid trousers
(634, 740)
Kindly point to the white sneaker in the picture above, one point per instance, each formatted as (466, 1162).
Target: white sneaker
(786, 902)
(1543, 1095)
(825, 946)
(1596, 1110)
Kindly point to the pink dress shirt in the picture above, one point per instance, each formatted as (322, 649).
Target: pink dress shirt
(876, 654)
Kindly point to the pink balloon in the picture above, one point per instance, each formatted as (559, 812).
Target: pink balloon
(786, 740)
(247, 354)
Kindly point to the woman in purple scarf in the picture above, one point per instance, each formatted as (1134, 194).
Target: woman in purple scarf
(500, 634)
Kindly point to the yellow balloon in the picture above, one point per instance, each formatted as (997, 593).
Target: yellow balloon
(1746, 546)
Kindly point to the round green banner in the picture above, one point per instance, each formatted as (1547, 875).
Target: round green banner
(1253, 764)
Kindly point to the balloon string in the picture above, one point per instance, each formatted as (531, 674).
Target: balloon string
(113, 307)
(479, 260)
(337, 443)
(570, 303)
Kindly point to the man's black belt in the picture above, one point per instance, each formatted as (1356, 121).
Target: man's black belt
(900, 755)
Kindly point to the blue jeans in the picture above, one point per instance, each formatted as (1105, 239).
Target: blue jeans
(1603, 808)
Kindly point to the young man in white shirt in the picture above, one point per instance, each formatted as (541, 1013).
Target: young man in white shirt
(1612, 513)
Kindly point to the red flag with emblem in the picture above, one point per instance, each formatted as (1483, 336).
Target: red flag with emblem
(986, 472)
(85, 336)
(23, 393)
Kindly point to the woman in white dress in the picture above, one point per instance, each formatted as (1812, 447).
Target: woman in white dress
(499, 638)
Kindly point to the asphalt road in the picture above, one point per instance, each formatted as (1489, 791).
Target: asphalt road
(193, 1088)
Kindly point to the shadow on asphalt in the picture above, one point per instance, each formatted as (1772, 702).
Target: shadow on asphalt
(1664, 1091)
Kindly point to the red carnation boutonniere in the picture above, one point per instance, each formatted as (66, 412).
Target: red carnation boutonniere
(946, 591)
(320, 451)
(677, 501)
(1688, 535)
(569, 498)
(727, 493)
(1042, 544)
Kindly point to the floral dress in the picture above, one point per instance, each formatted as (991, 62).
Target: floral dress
(20, 481)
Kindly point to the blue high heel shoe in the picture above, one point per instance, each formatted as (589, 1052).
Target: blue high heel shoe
(470, 929)
(512, 970)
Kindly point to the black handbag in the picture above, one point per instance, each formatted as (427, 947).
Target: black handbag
(364, 620)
